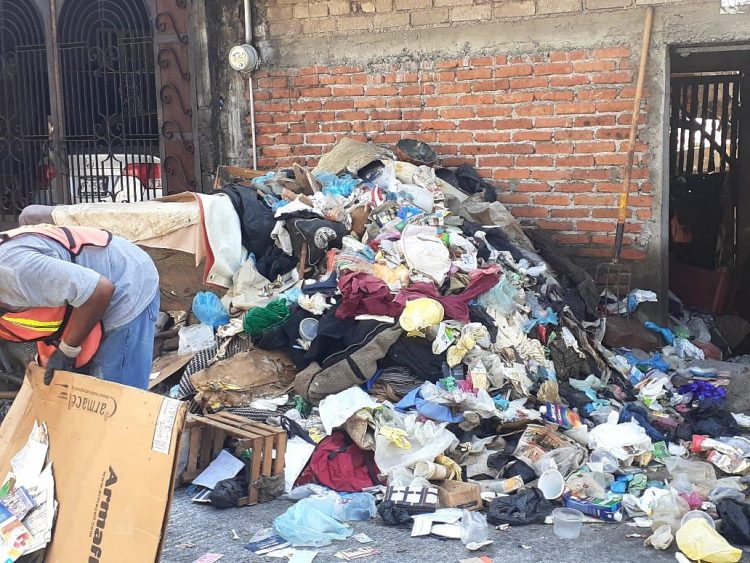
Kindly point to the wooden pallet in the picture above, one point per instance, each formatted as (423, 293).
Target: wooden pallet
(209, 433)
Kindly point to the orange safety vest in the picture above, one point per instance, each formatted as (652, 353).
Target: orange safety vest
(45, 325)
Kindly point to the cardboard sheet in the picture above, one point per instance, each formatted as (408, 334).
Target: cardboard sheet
(113, 452)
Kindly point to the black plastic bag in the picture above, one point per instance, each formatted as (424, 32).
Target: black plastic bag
(393, 515)
(520, 469)
(735, 520)
(527, 506)
(227, 493)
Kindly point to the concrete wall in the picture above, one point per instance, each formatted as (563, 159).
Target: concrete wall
(536, 94)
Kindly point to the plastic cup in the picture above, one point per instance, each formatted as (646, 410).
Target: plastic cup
(695, 514)
(430, 470)
(552, 484)
(308, 329)
(567, 523)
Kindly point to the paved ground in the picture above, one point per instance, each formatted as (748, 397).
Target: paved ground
(209, 530)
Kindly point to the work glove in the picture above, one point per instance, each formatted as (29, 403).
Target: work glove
(58, 361)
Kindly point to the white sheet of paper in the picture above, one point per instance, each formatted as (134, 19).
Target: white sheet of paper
(225, 466)
(421, 527)
(28, 463)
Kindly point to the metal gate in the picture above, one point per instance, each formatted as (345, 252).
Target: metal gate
(704, 123)
(110, 128)
(114, 120)
(24, 107)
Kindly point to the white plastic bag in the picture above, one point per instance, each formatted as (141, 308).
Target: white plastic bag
(195, 338)
(428, 440)
(336, 409)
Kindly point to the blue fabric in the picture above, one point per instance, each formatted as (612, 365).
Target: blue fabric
(433, 411)
(125, 353)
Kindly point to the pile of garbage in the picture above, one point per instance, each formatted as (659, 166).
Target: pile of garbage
(437, 369)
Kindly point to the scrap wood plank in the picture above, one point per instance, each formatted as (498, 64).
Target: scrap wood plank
(256, 425)
(218, 422)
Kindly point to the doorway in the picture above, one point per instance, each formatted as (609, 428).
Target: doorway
(101, 110)
(709, 186)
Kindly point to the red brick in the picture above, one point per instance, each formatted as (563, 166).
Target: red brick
(338, 104)
(381, 90)
(555, 95)
(556, 174)
(307, 105)
(535, 187)
(514, 97)
(551, 122)
(454, 88)
(276, 151)
(621, 77)
(482, 61)
(492, 137)
(473, 74)
(574, 108)
(494, 111)
(402, 125)
(366, 102)
(513, 70)
(319, 92)
(490, 85)
(351, 115)
(640, 201)
(554, 148)
(513, 124)
(535, 161)
(611, 53)
(552, 199)
(536, 109)
(595, 121)
(511, 173)
(515, 148)
(454, 137)
(529, 212)
(573, 134)
(347, 90)
(456, 113)
(335, 126)
(536, 82)
(613, 133)
(573, 187)
(476, 124)
(605, 213)
(571, 239)
(476, 148)
(419, 113)
(410, 90)
(497, 160)
(643, 214)
(532, 135)
(476, 99)
(436, 125)
(552, 68)
(610, 159)
(594, 252)
(571, 213)
(506, 197)
(438, 101)
(320, 139)
(385, 115)
(555, 225)
(594, 66)
(596, 94)
(601, 200)
(595, 147)
(570, 80)
(403, 101)
(558, 56)
(578, 160)
(614, 106)
(446, 64)
(596, 226)
(633, 254)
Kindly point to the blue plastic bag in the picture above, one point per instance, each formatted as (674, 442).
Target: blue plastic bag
(337, 185)
(209, 309)
(305, 524)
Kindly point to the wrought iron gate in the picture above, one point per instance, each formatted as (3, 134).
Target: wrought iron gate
(109, 120)
(24, 107)
(114, 120)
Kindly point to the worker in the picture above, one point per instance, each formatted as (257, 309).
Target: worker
(87, 298)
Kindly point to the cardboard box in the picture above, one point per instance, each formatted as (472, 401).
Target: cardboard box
(456, 494)
(113, 451)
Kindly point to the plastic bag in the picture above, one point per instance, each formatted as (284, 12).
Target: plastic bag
(691, 475)
(473, 528)
(661, 539)
(305, 524)
(195, 338)
(501, 298)
(420, 314)
(669, 510)
(427, 440)
(209, 309)
(527, 506)
(700, 542)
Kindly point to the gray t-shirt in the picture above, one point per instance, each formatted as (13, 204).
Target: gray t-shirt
(36, 271)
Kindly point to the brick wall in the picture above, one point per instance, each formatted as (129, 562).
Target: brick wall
(549, 129)
(290, 18)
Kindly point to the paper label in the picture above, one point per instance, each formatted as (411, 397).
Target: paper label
(162, 441)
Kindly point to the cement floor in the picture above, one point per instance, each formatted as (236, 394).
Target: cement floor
(207, 529)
